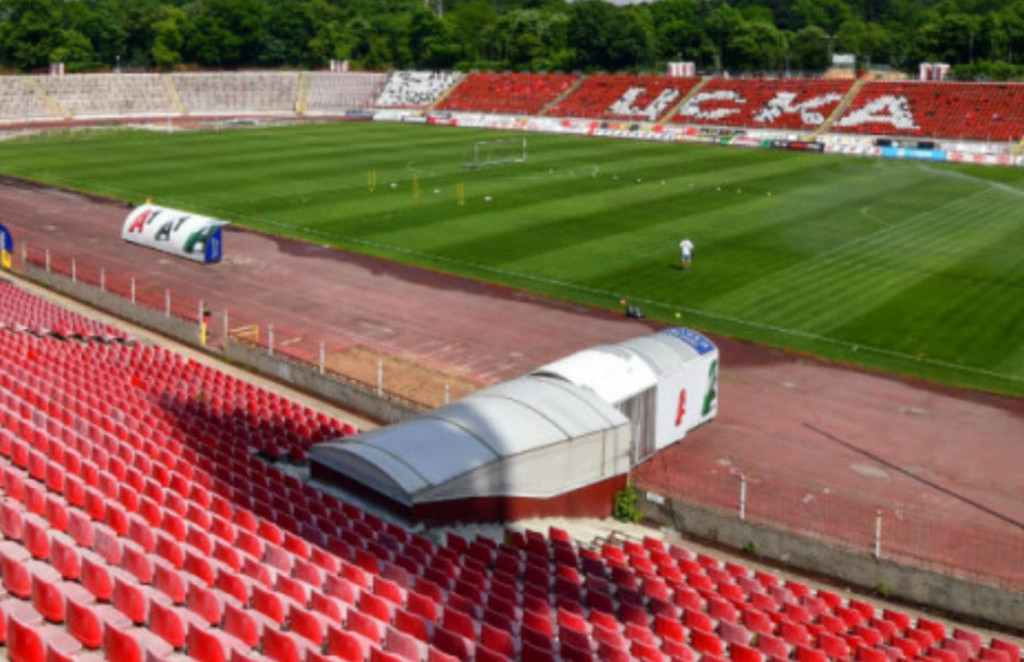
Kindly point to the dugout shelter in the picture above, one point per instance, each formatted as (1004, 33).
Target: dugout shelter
(557, 442)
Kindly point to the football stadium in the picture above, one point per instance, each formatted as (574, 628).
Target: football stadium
(332, 365)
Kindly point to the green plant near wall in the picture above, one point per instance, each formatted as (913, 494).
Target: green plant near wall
(625, 508)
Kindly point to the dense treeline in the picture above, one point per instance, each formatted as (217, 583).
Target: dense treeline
(981, 38)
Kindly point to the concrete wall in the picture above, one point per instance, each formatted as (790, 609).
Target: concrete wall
(302, 376)
(970, 599)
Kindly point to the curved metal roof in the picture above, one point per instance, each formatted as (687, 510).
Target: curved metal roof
(619, 372)
(491, 426)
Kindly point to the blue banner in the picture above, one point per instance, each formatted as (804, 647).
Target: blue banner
(6, 247)
(914, 153)
(692, 338)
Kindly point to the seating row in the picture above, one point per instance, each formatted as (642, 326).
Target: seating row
(415, 89)
(797, 104)
(332, 92)
(604, 96)
(512, 93)
(19, 309)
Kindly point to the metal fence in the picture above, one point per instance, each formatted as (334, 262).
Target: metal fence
(344, 356)
(936, 530)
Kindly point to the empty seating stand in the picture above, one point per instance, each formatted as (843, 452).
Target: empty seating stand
(509, 93)
(139, 524)
(238, 93)
(338, 92)
(415, 89)
(991, 112)
(794, 104)
(623, 97)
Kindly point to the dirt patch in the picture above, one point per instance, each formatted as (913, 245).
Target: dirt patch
(405, 379)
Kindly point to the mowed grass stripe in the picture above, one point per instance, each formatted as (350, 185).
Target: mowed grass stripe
(910, 263)
(822, 293)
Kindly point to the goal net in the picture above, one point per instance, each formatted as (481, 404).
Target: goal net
(497, 151)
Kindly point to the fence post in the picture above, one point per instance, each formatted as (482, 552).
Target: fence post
(202, 325)
(323, 357)
(133, 290)
(47, 260)
(24, 255)
(225, 328)
(380, 378)
(74, 270)
(447, 393)
(103, 280)
(743, 497)
(167, 302)
(878, 532)
(270, 339)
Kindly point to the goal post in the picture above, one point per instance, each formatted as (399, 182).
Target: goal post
(497, 151)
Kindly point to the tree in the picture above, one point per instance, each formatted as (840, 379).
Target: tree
(867, 41)
(591, 23)
(471, 22)
(74, 50)
(808, 49)
(757, 46)
(632, 41)
(169, 39)
(31, 32)
(722, 24)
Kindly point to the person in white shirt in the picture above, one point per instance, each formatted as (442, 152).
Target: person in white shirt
(686, 248)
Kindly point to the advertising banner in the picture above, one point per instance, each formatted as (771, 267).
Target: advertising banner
(173, 231)
(689, 397)
(6, 247)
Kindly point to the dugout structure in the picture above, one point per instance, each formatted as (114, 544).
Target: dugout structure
(496, 151)
(557, 442)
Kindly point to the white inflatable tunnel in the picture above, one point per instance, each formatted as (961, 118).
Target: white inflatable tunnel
(173, 231)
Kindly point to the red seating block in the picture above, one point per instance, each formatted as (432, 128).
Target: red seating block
(166, 621)
(347, 645)
(283, 647)
(15, 568)
(506, 92)
(205, 602)
(48, 593)
(707, 643)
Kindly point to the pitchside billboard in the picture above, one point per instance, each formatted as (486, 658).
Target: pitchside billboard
(176, 232)
(6, 247)
(688, 397)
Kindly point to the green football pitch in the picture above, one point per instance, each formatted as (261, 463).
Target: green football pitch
(911, 267)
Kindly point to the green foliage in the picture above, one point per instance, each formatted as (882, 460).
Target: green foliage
(624, 508)
(738, 35)
(901, 266)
